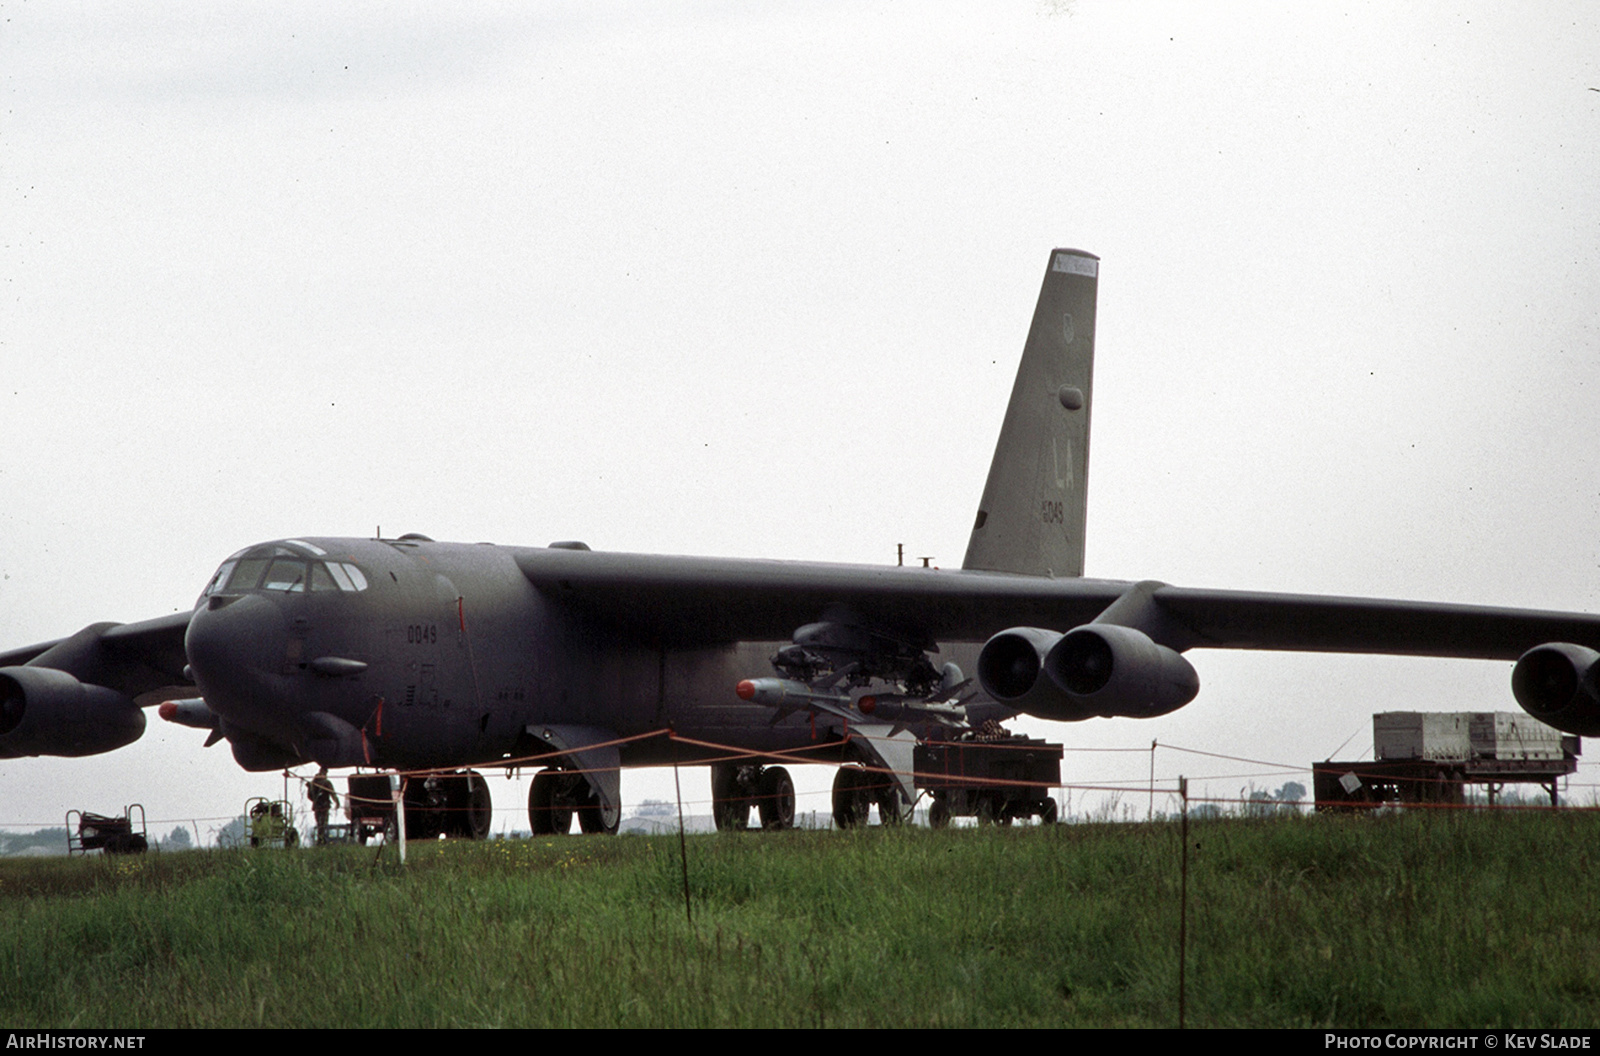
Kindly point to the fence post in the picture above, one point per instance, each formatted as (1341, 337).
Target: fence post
(1183, 901)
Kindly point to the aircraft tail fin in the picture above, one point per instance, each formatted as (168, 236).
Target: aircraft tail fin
(1031, 519)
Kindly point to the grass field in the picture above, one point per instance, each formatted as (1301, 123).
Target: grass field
(1413, 920)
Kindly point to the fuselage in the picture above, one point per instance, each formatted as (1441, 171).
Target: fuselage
(414, 653)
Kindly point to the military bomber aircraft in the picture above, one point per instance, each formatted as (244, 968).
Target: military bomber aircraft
(427, 656)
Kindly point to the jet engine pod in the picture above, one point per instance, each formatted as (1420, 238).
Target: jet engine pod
(1010, 669)
(48, 712)
(1559, 684)
(1111, 670)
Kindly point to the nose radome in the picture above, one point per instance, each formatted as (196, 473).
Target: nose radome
(234, 648)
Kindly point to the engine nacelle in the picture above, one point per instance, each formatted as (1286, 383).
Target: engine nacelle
(1095, 670)
(1009, 669)
(48, 712)
(1559, 684)
(1118, 671)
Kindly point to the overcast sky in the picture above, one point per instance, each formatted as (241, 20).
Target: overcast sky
(753, 280)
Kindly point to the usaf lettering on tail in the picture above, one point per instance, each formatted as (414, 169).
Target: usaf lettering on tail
(416, 654)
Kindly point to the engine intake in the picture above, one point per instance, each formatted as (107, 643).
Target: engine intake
(1104, 670)
(1559, 684)
(48, 712)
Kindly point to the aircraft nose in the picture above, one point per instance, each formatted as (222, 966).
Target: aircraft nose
(236, 647)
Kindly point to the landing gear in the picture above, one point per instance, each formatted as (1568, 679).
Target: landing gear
(552, 799)
(775, 804)
(594, 817)
(730, 796)
(735, 788)
(478, 817)
(557, 795)
(852, 798)
(891, 801)
(856, 790)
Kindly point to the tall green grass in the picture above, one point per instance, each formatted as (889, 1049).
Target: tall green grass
(1412, 920)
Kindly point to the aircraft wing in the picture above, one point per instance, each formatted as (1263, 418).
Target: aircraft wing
(82, 695)
(710, 600)
(1236, 619)
(680, 599)
(131, 658)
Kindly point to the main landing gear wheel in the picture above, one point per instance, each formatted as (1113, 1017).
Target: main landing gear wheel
(551, 801)
(479, 814)
(730, 805)
(891, 801)
(851, 797)
(776, 802)
(595, 817)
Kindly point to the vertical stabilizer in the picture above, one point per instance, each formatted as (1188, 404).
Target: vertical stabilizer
(1031, 518)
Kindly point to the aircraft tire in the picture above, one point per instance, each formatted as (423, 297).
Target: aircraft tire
(850, 799)
(593, 817)
(548, 812)
(478, 816)
(776, 805)
(729, 808)
(891, 802)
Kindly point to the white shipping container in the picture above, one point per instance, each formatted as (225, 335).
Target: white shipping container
(1512, 735)
(1422, 735)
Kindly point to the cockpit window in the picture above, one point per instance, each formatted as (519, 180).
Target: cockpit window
(220, 578)
(278, 567)
(284, 574)
(247, 575)
(320, 580)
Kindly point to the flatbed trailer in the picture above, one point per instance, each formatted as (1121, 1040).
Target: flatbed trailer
(1349, 786)
(996, 778)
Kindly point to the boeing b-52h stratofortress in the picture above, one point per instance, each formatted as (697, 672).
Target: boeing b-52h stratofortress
(413, 654)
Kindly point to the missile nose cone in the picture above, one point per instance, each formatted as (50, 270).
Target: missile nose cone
(746, 690)
(867, 705)
(167, 710)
